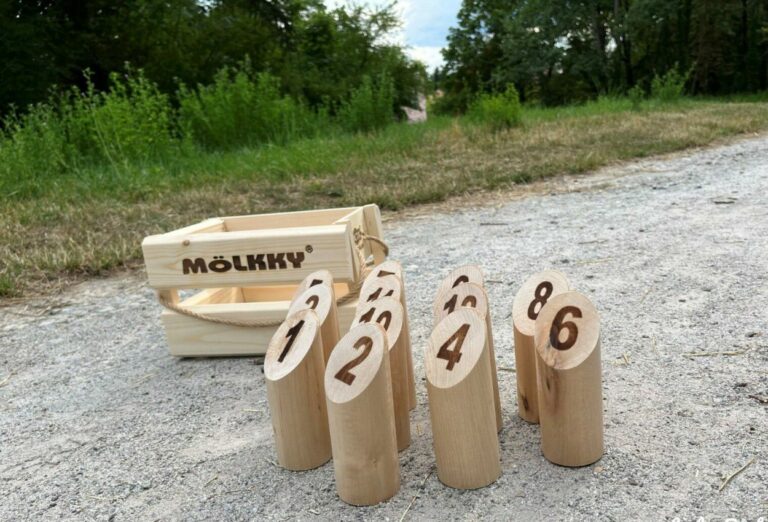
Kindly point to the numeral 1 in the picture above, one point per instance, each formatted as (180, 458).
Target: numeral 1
(377, 294)
(293, 332)
(469, 301)
(384, 318)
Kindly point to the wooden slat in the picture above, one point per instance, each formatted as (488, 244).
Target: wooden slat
(306, 218)
(191, 337)
(283, 292)
(330, 249)
(209, 225)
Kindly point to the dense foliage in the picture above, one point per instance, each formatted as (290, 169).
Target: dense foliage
(318, 56)
(558, 51)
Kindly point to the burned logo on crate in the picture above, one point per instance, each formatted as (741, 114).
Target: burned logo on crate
(245, 263)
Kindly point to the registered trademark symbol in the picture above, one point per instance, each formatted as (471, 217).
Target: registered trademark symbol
(309, 249)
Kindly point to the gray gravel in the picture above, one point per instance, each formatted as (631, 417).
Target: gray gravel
(97, 421)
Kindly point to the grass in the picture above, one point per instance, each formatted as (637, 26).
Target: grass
(93, 221)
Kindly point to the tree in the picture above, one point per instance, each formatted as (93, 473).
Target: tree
(557, 51)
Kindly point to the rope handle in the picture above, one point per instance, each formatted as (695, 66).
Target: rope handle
(354, 293)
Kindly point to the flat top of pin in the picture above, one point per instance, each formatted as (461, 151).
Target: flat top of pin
(378, 287)
(290, 344)
(318, 298)
(466, 294)
(463, 274)
(533, 295)
(388, 312)
(388, 267)
(354, 362)
(454, 347)
(567, 330)
(319, 277)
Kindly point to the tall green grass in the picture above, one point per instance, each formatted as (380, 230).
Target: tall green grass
(132, 135)
(500, 111)
(241, 108)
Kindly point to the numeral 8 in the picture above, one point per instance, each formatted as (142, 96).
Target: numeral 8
(547, 287)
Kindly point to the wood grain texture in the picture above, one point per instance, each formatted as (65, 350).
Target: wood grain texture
(394, 268)
(461, 405)
(378, 287)
(294, 370)
(330, 246)
(191, 337)
(567, 340)
(525, 308)
(462, 274)
(320, 277)
(388, 312)
(321, 299)
(361, 417)
(471, 295)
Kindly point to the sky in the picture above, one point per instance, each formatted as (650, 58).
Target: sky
(425, 25)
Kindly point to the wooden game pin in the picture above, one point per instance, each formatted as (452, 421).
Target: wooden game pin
(472, 296)
(358, 392)
(320, 299)
(570, 380)
(320, 277)
(388, 312)
(529, 301)
(460, 391)
(376, 288)
(463, 274)
(294, 371)
(388, 268)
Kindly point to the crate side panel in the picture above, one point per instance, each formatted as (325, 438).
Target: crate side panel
(222, 259)
(191, 337)
(305, 218)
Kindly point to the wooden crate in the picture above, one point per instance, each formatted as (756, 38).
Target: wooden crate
(261, 250)
(191, 337)
(248, 268)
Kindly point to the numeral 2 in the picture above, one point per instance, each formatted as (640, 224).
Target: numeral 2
(384, 318)
(469, 301)
(313, 301)
(344, 374)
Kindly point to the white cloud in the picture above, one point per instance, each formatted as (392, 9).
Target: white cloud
(425, 25)
(429, 56)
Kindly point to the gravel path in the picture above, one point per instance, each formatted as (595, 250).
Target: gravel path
(97, 421)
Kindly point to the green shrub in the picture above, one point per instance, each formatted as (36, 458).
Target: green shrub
(132, 121)
(636, 96)
(369, 107)
(243, 108)
(33, 147)
(670, 86)
(125, 135)
(497, 111)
